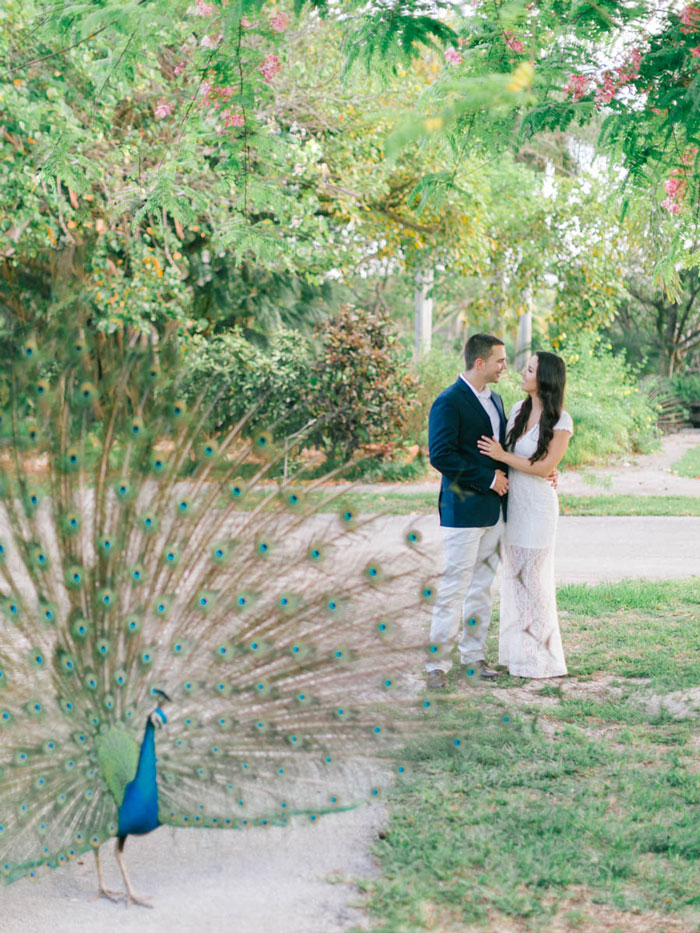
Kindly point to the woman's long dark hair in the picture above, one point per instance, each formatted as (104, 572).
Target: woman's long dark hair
(551, 382)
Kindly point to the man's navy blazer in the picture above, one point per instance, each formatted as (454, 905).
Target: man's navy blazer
(457, 421)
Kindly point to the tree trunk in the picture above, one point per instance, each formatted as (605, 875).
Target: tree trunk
(423, 314)
(523, 345)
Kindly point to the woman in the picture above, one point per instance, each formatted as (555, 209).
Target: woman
(539, 431)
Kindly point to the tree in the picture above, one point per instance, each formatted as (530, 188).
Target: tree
(669, 328)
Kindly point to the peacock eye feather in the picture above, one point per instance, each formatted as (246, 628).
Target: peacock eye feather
(71, 523)
(12, 609)
(75, 578)
(373, 573)
(73, 460)
(40, 559)
(36, 659)
(86, 394)
(124, 490)
(106, 599)
(137, 575)
(103, 648)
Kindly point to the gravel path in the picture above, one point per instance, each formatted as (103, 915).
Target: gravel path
(299, 880)
(643, 475)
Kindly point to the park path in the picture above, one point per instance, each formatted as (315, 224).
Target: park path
(300, 879)
(642, 474)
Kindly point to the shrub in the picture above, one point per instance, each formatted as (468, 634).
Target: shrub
(435, 372)
(362, 390)
(686, 386)
(612, 415)
(239, 375)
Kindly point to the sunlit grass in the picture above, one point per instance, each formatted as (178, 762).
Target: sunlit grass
(579, 788)
(689, 464)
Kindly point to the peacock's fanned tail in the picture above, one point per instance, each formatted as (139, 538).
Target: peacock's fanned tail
(137, 553)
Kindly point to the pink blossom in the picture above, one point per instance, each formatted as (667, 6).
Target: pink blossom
(606, 90)
(205, 89)
(673, 207)
(630, 70)
(179, 68)
(695, 52)
(453, 56)
(163, 108)
(211, 42)
(689, 19)
(269, 67)
(203, 9)
(689, 155)
(245, 22)
(515, 45)
(577, 87)
(280, 22)
(673, 185)
(233, 118)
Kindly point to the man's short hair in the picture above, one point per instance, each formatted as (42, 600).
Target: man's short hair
(479, 347)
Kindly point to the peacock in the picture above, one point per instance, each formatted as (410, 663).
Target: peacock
(193, 633)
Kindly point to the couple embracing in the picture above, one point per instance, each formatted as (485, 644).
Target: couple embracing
(497, 501)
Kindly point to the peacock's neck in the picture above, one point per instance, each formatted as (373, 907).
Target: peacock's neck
(146, 770)
(138, 813)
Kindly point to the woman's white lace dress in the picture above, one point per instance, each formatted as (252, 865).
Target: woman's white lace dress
(529, 641)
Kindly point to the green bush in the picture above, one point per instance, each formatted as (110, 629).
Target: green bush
(355, 386)
(435, 372)
(686, 386)
(362, 390)
(612, 416)
(237, 375)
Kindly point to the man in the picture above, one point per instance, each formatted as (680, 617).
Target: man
(472, 507)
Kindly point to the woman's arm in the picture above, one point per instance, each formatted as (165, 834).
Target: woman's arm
(555, 452)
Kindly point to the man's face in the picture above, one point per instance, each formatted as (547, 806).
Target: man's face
(492, 367)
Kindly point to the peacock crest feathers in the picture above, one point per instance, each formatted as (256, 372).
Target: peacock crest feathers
(140, 555)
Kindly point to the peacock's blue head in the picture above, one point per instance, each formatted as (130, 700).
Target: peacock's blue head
(158, 719)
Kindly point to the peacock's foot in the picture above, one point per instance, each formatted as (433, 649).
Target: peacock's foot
(142, 902)
(115, 896)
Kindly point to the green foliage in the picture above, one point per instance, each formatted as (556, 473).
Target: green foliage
(361, 386)
(392, 31)
(240, 376)
(686, 386)
(434, 372)
(351, 391)
(611, 415)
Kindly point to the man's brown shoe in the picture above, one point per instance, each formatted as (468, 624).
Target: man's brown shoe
(437, 680)
(480, 668)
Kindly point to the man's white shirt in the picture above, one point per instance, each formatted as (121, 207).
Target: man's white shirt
(489, 406)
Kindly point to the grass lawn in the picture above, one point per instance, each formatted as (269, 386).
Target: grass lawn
(572, 804)
(689, 464)
(404, 503)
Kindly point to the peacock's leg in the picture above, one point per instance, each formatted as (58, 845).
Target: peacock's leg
(130, 896)
(102, 891)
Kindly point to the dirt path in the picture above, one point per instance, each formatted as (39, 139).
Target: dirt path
(643, 475)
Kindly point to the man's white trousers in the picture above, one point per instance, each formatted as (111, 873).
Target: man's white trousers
(464, 594)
